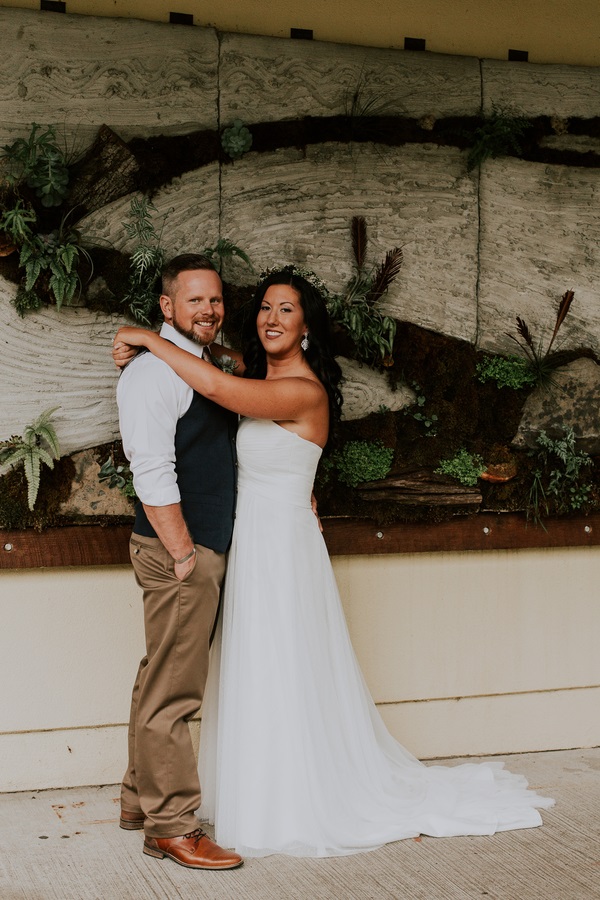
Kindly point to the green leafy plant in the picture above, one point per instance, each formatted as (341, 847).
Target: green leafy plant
(236, 140)
(51, 263)
(226, 249)
(513, 372)
(372, 332)
(119, 477)
(50, 258)
(40, 163)
(26, 301)
(141, 298)
(560, 476)
(499, 134)
(38, 445)
(417, 412)
(464, 466)
(47, 254)
(360, 461)
(541, 362)
(16, 222)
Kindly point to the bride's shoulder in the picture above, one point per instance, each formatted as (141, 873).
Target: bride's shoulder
(309, 381)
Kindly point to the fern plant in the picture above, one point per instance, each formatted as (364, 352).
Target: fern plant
(499, 134)
(226, 249)
(141, 298)
(37, 446)
(372, 332)
(560, 475)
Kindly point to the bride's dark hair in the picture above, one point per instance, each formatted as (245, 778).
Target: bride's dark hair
(319, 354)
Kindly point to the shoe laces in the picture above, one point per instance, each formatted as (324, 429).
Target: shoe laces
(196, 835)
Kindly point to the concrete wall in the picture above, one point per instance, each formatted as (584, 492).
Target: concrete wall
(465, 653)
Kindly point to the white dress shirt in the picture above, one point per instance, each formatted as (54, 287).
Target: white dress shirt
(151, 399)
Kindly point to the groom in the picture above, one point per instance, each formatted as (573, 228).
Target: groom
(182, 453)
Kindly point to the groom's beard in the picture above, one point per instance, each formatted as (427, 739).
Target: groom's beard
(193, 335)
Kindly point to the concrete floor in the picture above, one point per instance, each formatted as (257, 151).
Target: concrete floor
(66, 845)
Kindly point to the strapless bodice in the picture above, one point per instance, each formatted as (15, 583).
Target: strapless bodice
(275, 463)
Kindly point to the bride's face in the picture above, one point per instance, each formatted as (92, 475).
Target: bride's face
(280, 321)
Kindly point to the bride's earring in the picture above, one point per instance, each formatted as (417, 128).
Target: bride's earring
(304, 343)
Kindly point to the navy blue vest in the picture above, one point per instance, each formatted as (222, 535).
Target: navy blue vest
(205, 462)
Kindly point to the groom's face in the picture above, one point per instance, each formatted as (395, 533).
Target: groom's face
(194, 305)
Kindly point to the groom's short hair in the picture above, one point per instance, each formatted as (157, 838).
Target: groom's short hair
(185, 262)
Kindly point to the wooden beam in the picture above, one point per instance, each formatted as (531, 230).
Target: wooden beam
(94, 545)
(485, 531)
(75, 545)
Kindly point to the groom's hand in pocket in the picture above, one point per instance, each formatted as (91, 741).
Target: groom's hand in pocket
(182, 570)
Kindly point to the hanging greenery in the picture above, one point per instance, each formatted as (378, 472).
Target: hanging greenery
(36, 447)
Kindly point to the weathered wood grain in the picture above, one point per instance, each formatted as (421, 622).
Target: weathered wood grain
(264, 79)
(534, 90)
(294, 206)
(366, 390)
(421, 487)
(186, 216)
(540, 236)
(58, 359)
(79, 72)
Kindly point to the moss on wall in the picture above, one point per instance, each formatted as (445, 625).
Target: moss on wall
(55, 487)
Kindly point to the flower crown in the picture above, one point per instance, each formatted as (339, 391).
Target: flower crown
(307, 274)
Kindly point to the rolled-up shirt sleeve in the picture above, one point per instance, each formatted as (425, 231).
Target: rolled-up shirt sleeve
(151, 399)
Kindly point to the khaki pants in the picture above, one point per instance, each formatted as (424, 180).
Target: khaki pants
(162, 776)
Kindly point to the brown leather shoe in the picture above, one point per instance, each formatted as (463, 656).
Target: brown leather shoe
(194, 850)
(131, 821)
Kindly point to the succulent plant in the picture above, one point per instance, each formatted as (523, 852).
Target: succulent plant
(236, 140)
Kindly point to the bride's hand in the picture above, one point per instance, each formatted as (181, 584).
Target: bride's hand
(313, 506)
(126, 344)
(123, 354)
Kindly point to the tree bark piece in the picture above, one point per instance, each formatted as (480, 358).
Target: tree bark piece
(108, 171)
(421, 487)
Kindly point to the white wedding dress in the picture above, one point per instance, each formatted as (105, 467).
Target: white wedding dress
(294, 757)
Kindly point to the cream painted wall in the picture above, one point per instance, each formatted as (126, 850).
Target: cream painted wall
(552, 31)
(465, 654)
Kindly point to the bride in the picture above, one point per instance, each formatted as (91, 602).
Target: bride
(294, 757)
